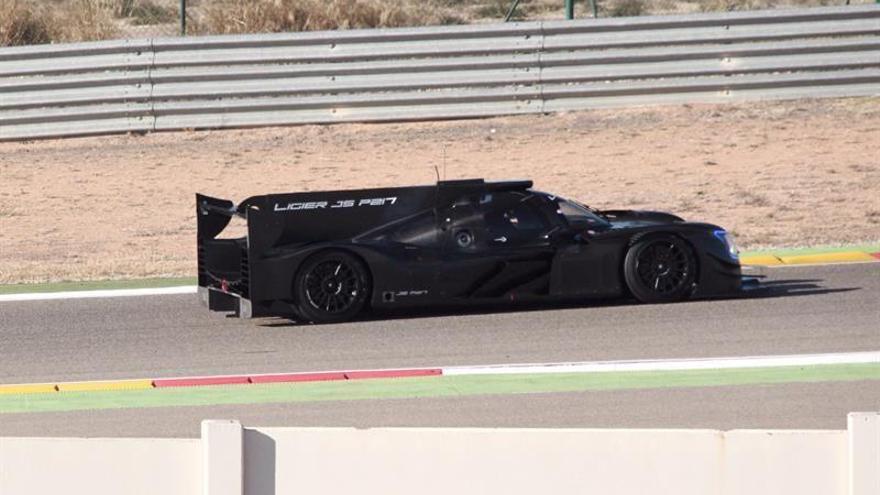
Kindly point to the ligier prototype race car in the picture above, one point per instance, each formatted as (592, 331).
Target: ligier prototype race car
(328, 256)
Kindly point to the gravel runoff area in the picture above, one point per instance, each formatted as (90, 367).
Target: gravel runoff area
(778, 174)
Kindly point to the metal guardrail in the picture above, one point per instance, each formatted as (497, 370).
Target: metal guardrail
(435, 73)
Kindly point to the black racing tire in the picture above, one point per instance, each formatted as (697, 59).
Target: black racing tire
(331, 287)
(660, 269)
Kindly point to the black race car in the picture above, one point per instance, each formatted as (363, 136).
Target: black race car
(328, 256)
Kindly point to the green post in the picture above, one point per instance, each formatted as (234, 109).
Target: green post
(569, 9)
(183, 17)
(595, 8)
(510, 11)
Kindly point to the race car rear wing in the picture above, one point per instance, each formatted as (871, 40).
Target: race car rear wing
(222, 263)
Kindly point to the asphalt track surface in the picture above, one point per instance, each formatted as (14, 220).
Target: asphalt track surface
(815, 309)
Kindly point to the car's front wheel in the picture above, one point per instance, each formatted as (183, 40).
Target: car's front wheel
(332, 286)
(660, 269)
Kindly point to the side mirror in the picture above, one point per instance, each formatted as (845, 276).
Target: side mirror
(584, 236)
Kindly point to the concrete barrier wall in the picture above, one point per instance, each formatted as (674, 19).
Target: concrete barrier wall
(100, 466)
(558, 461)
(775, 462)
(231, 460)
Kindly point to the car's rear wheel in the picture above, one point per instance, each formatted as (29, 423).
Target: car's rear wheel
(660, 269)
(332, 286)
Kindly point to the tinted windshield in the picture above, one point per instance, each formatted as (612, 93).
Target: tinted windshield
(578, 216)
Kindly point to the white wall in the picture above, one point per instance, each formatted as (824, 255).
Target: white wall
(558, 461)
(784, 461)
(231, 460)
(100, 466)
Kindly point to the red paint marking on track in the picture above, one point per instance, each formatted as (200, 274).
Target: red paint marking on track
(360, 375)
(198, 382)
(339, 375)
(299, 377)
(323, 376)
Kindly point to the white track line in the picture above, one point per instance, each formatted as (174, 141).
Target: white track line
(88, 294)
(670, 364)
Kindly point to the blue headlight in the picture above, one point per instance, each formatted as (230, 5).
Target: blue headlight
(729, 243)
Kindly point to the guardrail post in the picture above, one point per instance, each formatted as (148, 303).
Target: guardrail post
(222, 461)
(864, 452)
(569, 9)
(183, 17)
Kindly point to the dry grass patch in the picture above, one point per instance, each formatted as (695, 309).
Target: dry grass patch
(625, 8)
(83, 20)
(20, 24)
(29, 22)
(249, 16)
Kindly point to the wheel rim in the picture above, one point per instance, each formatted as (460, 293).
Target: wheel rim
(663, 267)
(333, 286)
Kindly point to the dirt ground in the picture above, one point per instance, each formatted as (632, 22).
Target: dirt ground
(776, 174)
